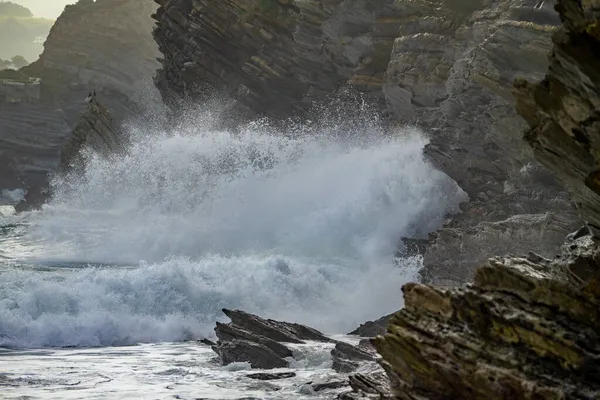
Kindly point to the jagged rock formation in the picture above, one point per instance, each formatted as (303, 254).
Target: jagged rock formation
(106, 45)
(528, 326)
(249, 338)
(347, 358)
(96, 131)
(264, 344)
(372, 328)
(273, 56)
(526, 329)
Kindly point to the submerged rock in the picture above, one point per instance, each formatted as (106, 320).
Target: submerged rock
(269, 377)
(257, 355)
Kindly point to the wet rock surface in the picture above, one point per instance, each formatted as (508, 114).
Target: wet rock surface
(271, 377)
(263, 344)
(259, 341)
(96, 131)
(347, 358)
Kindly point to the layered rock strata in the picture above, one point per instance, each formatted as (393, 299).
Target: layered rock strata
(527, 329)
(96, 131)
(528, 326)
(273, 56)
(104, 45)
(451, 72)
(562, 110)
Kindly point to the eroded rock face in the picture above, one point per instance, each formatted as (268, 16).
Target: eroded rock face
(444, 65)
(528, 327)
(562, 110)
(273, 56)
(104, 45)
(451, 72)
(96, 131)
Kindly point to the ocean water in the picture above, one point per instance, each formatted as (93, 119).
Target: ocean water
(104, 291)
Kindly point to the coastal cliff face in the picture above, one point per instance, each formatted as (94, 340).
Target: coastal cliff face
(104, 45)
(273, 56)
(451, 72)
(528, 326)
(443, 65)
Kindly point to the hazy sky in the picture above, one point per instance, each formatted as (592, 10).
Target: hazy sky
(45, 8)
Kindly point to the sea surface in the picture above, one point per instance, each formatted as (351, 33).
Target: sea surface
(104, 292)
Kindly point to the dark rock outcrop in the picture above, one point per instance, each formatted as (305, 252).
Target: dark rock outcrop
(347, 358)
(270, 377)
(274, 330)
(249, 338)
(257, 355)
(95, 131)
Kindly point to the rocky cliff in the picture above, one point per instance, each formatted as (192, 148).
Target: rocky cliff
(443, 65)
(528, 326)
(451, 72)
(96, 131)
(274, 56)
(104, 45)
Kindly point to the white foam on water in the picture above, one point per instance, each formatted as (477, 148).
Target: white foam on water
(299, 225)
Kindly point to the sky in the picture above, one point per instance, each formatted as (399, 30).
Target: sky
(45, 8)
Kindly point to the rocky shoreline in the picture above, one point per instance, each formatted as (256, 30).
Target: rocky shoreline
(266, 344)
(514, 327)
